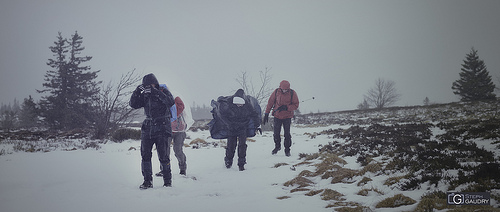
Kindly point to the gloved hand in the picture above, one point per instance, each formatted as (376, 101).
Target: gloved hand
(140, 88)
(147, 90)
(266, 118)
(283, 108)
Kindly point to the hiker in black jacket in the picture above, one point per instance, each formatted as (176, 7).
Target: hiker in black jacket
(155, 128)
(240, 114)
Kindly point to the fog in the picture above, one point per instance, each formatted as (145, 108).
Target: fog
(331, 50)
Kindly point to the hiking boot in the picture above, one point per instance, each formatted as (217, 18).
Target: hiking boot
(146, 185)
(228, 164)
(159, 174)
(242, 168)
(287, 153)
(182, 172)
(275, 150)
(167, 183)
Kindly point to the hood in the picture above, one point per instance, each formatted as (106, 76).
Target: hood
(285, 85)
(240, 93)
(150, 79)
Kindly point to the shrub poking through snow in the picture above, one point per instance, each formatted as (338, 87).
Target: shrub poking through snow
(126, 133)
(329, 194)
(280, 164)
(312, 193)
(366, 192)
(364, 181)
(396, 201)
(283, 197)
(299, 181)
(434, 200)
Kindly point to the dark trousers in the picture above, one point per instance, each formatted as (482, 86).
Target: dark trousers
(163, 148)
(277, 131)
(232, 142)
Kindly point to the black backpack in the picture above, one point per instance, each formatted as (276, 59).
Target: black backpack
(219, 126)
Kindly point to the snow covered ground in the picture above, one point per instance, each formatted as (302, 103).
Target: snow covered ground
(108, 179)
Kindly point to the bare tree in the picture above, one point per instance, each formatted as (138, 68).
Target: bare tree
(113, 108)
(382, 94)
(262, 91)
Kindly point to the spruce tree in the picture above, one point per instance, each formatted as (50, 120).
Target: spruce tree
(475, 81)
(84, 88)
(54, 105)
(70, 85)
(28, 115)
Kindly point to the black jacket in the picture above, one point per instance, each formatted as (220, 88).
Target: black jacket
(156, 108)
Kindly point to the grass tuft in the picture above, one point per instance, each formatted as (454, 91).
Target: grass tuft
(396, 201)
(330, 194)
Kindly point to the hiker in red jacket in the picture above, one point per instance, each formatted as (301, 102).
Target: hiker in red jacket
(180, 125)
(283, 102)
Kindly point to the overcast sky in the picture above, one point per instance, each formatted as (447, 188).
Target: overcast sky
(331, 50)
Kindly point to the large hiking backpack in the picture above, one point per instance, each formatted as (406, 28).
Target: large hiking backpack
(219, 126)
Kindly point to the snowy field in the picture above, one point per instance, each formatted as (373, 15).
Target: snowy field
(108, 179)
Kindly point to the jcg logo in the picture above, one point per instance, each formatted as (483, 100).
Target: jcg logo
(455, 199)
(468, 198)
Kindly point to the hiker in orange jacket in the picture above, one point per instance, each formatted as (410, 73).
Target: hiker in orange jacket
(283, 102)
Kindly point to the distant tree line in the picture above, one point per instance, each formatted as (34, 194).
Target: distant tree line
(201, 112)
(72, 97)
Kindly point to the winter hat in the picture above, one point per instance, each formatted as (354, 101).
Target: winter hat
(238, 101)
(285, 85)
(149, 79)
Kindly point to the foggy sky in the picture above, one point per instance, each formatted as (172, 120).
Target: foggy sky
(331, 50)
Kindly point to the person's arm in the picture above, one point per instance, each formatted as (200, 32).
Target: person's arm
(137, 99)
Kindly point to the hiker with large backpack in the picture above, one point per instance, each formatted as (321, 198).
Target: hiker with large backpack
(235, 118)
(283, 101)
(155, 128)
(181, 121)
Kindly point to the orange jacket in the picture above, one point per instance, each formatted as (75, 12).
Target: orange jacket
(278, 98)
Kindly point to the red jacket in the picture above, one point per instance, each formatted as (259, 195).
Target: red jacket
(278, 98)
